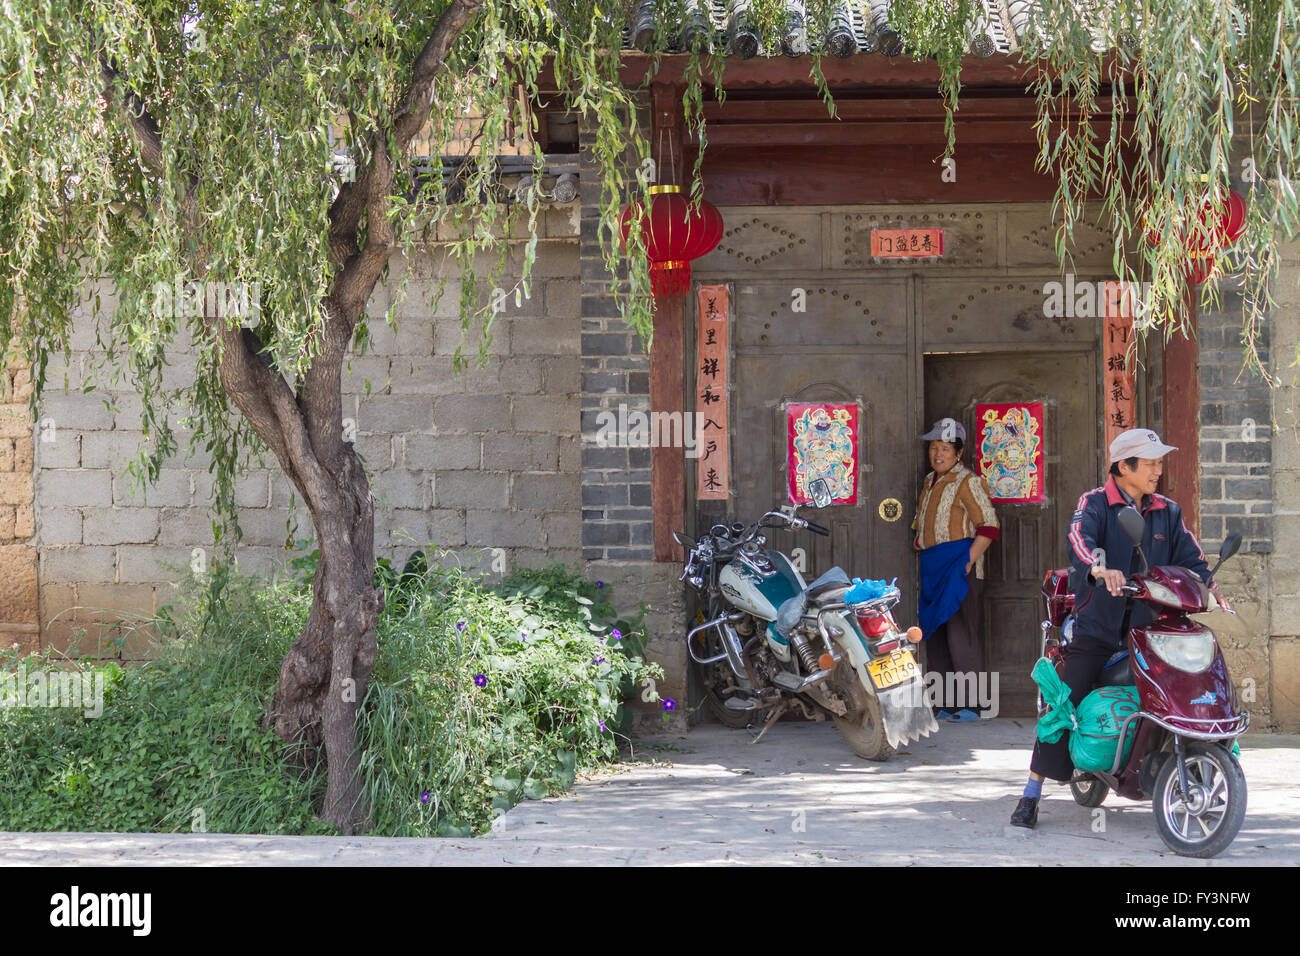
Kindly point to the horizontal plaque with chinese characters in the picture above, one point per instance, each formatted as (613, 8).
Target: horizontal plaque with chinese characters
(906, 243)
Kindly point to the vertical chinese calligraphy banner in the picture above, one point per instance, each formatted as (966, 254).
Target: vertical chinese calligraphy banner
(1118, 336)
(822, 442)
(711, 393)
(1009, 450)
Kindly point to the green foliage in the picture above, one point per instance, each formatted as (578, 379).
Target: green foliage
(440, 753)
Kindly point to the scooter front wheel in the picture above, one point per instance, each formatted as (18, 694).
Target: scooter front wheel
(1205, 820)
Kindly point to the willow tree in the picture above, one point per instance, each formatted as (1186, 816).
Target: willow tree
(151, 143)
(155, 145)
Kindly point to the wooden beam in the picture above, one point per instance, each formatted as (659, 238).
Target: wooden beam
(667, 352)
(884, 173)
(1181, 403)
(987, 132)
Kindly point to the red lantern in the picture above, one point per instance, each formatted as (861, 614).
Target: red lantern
(674, 235)
(1228, 229)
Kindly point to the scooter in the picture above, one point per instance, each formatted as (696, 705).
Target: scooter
(1189, 713)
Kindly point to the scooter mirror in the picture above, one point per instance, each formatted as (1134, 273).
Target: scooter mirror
(821, 493)
(684, 540)
(1133, 525)
(1231, 545)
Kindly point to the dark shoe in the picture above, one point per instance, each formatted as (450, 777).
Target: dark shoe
(1026, 813)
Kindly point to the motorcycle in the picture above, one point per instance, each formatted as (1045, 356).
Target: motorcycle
(767, 643)
(1189, 713)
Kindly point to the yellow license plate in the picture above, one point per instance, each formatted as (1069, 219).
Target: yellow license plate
(899, 666)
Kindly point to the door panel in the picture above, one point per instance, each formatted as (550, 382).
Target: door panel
(850, 346)
(1033, 535)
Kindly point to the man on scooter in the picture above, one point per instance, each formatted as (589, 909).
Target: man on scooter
(1103, 557)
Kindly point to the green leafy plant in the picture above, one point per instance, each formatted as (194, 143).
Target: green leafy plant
(484, 696)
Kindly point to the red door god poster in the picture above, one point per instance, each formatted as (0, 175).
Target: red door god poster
(1009, 450)
(822, 442)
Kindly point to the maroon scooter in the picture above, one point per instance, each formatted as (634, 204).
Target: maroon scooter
(1189, 713)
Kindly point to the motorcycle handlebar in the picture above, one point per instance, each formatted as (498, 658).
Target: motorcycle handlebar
(816, 528)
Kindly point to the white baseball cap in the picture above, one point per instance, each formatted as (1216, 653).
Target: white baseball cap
(1138, 443)
(945, 429)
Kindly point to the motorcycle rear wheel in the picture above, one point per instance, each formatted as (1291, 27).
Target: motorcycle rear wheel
(1088, 791)
(1204, 825)
(863, 727)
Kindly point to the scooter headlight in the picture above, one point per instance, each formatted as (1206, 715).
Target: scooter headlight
(1162, 595)
(1192, 651)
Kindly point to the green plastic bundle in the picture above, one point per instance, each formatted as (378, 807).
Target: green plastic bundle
(1094, 725)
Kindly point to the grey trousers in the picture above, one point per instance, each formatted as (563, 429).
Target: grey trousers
(958, 645)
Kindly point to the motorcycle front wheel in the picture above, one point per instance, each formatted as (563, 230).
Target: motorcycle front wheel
(1205, 820)
(720, 683)
(863, 727)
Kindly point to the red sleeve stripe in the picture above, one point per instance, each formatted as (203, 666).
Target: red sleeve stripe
(988, 531)
(1199, 550)
(1076, 537)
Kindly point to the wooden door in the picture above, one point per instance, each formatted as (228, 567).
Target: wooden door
(1033, 536)
(850, 344)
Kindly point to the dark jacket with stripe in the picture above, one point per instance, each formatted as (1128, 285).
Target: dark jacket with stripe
(1095, 524)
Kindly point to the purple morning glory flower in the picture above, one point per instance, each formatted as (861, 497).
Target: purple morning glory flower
(480, 679)
(600, 584)
(616, 634)
(424, 797)
(669, 703)
(602, 725)
(523, 635)
(598, 660)
(460, 626)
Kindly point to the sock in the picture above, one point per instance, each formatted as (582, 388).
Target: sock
(1034, 789)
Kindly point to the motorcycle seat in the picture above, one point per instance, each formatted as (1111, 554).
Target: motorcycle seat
(1118, 671)
(830, 587)
(791, 609)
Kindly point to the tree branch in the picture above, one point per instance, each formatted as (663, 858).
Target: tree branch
(413, 112)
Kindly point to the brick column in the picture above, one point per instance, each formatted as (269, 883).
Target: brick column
(19, 619)
(617, 510)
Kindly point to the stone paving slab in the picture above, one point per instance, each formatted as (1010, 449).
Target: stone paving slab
(798, 797)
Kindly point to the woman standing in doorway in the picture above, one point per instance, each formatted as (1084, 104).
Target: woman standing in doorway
(955, 524)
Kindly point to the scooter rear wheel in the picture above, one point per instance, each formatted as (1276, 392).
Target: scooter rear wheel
(1088, 790)
(1203, 822)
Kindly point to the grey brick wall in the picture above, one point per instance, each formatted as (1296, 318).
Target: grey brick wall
(1236, 417)
(617, 520)
(471, 461)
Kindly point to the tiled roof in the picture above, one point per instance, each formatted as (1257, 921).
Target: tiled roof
(861, 26)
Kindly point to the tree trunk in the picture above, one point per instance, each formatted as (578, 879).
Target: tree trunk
(324, 676)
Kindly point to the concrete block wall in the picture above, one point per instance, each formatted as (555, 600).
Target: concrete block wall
(483, 462)
(18, 584)
(1284, 576)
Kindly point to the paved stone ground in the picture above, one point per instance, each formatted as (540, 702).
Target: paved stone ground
(798, 797)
